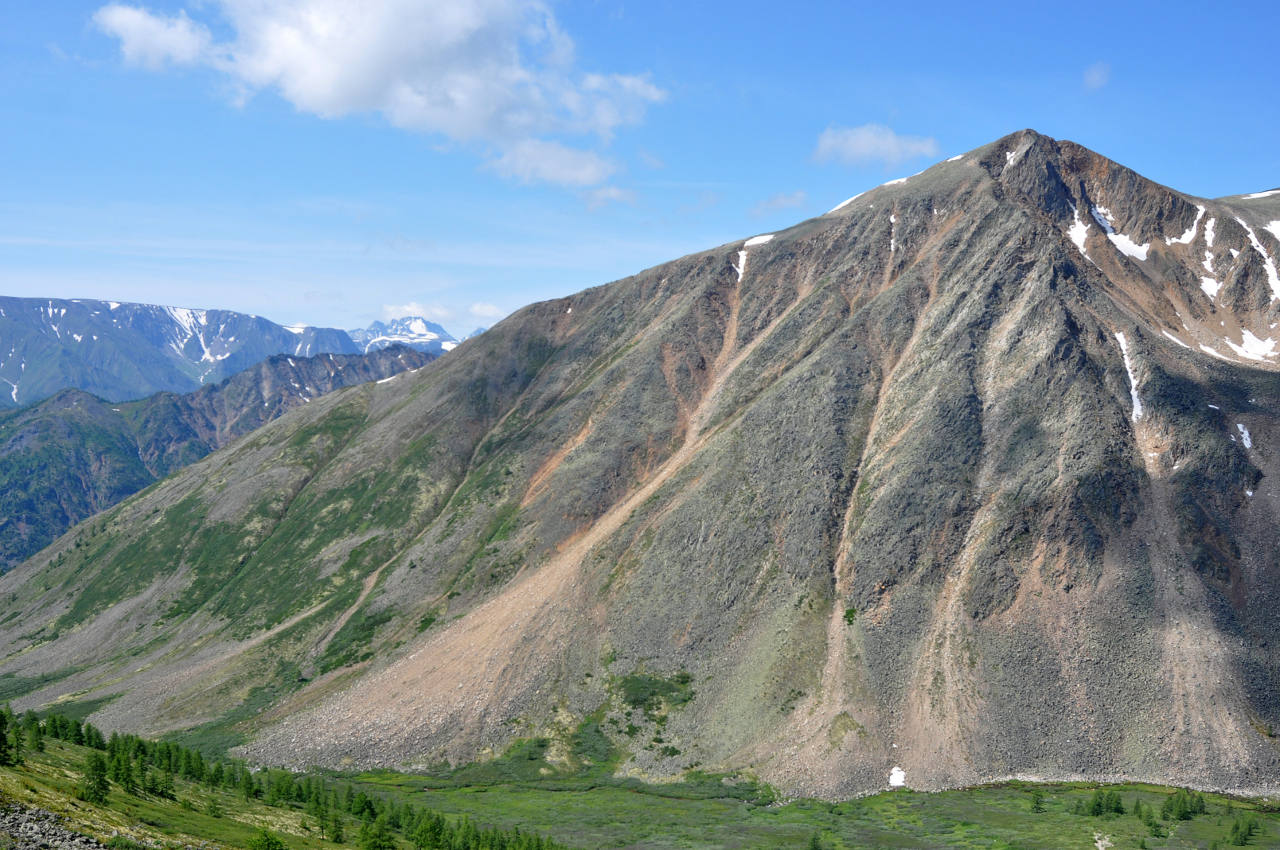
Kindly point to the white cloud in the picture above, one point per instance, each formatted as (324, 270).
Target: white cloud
(871, 143)
(780, 201)
(435, 312)
(1097, 75)
(486, 311)
(494, 73)
(541, 161)
(602, 195)
(153, 41)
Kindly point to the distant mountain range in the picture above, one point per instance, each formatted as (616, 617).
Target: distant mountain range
(122, 351)
(74, 454)
(413, 331)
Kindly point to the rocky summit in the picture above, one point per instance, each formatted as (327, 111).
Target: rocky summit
(971, 477)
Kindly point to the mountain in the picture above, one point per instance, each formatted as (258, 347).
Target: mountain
(413, 331)
(968, 478)
(127, 351)
(70, 456)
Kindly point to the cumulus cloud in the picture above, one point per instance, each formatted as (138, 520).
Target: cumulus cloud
(780, 201)
(1097, 75)
(483, 310)
(497, 74)
(154, 41)
(542, 161)
(435, 312)
(871, 143)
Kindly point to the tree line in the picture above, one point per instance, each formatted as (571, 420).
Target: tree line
(340, 813)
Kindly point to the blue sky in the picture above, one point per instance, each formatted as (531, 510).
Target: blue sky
(312, 163)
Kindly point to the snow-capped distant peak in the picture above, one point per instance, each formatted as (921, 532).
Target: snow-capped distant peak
(413, 331)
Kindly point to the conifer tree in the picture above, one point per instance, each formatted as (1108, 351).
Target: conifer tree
(335, 826)
(94, 786)
(6, 751)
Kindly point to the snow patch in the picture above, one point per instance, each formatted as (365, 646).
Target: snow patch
(14, 392)
(1245, 436)
(1122, 241)
(956, 158)
(1078, 231)
(844, 204)
(1273, 277)
(1190, 234)
(1103, 217)
(1208, 231)
(448, 346)
(757, 240)
(897, 777)
(295, 329)
(1128, 247)
(383, 381)
(569, 312)
(1272, 227)
(1175, 339)
(1215, 407)
(893, 233)
(896, 182)
(1133, 384)
(190, 320)
(1207, 350)
(1266, 194)
(1210, 286)
(1252, 347)
(741, 266)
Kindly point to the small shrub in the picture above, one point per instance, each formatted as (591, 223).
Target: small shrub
(266, 840)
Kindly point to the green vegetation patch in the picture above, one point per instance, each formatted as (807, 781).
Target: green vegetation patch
(354, 641)
(648, 692)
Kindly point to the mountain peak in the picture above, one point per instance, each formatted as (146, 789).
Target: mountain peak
(969, 479)
(413, 331)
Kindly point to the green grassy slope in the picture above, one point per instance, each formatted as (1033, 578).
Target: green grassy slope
(588, 810)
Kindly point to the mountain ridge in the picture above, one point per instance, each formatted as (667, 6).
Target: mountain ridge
(870, 495)
(122, 351)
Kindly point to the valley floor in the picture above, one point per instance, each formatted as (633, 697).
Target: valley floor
(708, 812)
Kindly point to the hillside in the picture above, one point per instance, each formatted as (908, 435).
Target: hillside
(68, 457)
(968, 478)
